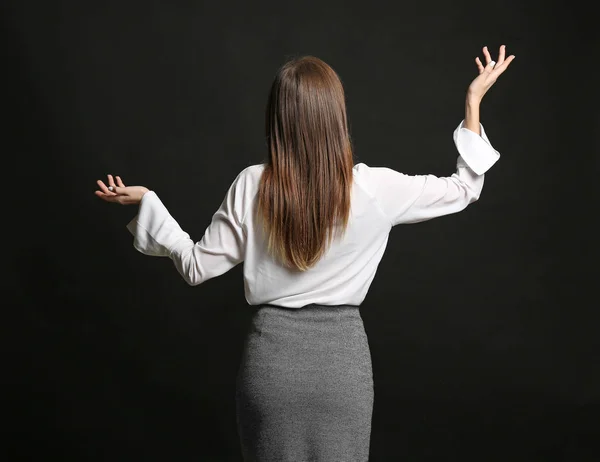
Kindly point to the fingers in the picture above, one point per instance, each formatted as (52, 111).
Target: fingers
(106, 197)
(487, 55)
(500, 69)
(489, 63)
(501, 55)
(479, 65)
(490, 67)
(105, 189)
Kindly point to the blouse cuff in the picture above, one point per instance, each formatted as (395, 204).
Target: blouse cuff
(476, 151)
(146, 226)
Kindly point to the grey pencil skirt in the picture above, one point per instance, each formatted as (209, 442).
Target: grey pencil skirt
(304, 389)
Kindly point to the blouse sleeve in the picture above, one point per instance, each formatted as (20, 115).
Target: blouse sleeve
(156, 233)
(415, 198)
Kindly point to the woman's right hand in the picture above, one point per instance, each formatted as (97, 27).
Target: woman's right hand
(119, 193)
(488, 74)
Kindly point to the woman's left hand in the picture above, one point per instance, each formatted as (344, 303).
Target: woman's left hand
(488, 74)
(121, 194)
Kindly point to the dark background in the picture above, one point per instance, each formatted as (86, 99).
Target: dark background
(482, 325)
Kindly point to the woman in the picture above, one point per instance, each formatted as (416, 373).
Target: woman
(311, 228)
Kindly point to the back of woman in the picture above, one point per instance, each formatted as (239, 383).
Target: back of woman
(311, 227)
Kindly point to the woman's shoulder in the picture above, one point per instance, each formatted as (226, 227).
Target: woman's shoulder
(249, 178)
(362, 176)
(367, 173)
(359, 168)
(379, 180)
(253, 170)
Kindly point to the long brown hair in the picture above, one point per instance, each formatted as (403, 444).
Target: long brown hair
(305, 189)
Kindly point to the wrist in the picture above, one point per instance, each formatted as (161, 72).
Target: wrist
(472, 100)
(472, 115)
(143, 191)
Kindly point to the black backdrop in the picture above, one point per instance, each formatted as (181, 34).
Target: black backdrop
(482, 325)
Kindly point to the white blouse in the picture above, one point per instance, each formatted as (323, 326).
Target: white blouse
(381, 198)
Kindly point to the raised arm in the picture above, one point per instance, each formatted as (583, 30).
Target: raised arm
(415, 198)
